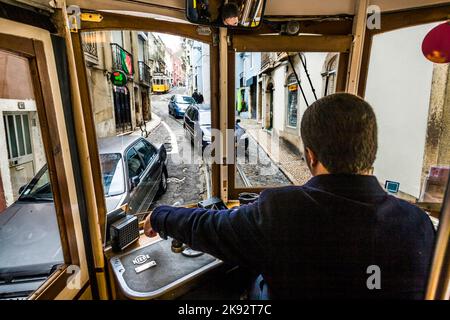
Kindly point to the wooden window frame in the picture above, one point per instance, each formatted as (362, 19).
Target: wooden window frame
(113, 21)
(33, 51)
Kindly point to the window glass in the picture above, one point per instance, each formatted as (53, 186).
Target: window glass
(112, 173)
(269, 104)
(134, 162)
(205, 117)
(413, 116)
(39, 188)
(190, 113)
(139, 109)
(185, 99)
(195, 114)
(292, 88)
(146, 151)
(30, 242)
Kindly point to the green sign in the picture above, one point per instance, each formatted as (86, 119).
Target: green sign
(119, 78)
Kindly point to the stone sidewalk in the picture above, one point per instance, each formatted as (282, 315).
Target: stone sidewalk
(289, 161)
(150, 126)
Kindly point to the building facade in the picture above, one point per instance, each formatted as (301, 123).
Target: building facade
(201, 76)
(118, 110)
(247, 69)
(20, 133)
(281, 100)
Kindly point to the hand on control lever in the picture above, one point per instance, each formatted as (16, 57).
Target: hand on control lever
(148, 231)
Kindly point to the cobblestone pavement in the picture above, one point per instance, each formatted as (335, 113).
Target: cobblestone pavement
(282, 156)
(259, 169)
(186, 182)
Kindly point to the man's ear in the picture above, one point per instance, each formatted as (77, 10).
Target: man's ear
(311, 157)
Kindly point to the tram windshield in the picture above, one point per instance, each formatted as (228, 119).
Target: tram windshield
(167, 75)
(273, 90)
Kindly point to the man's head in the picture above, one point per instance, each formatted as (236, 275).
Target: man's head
(230, 14)
(339, 133)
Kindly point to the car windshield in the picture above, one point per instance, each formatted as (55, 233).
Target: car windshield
(185, 99)
(113, 180)
(112, 172)
(204, 107)
(38, 189)
(204, 118)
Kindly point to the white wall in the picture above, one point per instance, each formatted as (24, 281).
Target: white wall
(206, 76)
(314, 64)
(279, 103)
(399, 87)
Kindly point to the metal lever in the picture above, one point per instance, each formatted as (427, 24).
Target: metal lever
(177, 246)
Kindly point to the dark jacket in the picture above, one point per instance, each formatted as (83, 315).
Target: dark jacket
(316, 240)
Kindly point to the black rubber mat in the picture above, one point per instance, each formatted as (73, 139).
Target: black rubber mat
(169, 268)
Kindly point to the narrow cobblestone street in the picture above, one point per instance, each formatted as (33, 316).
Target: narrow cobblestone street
(187, 180)
(272, 163)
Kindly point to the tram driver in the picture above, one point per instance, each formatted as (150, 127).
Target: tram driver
(327, 238)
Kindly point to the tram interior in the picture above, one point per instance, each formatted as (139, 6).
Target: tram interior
(112, 108)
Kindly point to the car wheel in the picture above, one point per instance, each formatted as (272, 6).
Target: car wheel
(163, 183)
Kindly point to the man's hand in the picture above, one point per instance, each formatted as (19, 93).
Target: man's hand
(148, 231)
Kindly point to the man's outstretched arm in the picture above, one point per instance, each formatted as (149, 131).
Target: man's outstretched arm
(234, 236)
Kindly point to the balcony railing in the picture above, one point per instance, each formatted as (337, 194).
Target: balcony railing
(265, 59)
(144, 74)
(122, 59)
(89, 44)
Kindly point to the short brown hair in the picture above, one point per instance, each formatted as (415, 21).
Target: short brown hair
(341, 129)
(230, 10)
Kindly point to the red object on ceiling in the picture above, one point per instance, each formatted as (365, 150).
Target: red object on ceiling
(436, 45)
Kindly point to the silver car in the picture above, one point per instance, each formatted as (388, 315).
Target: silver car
(134, 171)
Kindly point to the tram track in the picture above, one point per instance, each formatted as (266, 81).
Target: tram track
(243, 176)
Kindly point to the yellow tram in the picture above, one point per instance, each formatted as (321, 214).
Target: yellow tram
(160, 83)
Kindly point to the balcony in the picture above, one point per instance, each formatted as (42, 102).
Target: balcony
(122, 60)
(89, 44)
(265, 59)
(144, 74)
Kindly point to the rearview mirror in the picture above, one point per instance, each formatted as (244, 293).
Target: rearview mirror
(246, 14)
(22, 188)
(134, 182)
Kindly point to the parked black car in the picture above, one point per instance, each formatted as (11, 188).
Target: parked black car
(134, 172)
(178, 105)
(197, 123)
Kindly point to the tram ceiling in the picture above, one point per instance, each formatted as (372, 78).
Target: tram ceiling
(114, 21)
(176, 8)
(336, 18)
(309, 43)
